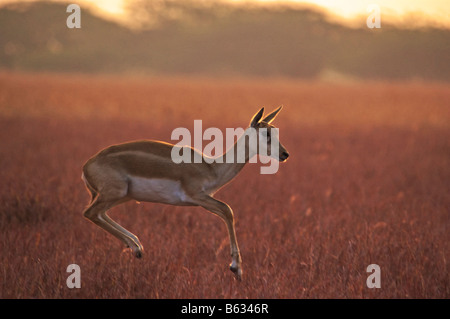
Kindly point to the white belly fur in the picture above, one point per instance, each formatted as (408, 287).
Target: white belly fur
(157, 190)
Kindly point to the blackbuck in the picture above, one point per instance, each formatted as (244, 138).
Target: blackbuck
(144, 171)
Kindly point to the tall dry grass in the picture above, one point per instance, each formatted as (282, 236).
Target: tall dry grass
(367, 182)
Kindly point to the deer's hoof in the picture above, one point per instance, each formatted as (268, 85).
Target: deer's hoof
(237, 272)
(136, 251)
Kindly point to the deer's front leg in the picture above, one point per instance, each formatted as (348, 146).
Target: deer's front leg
(224, 211)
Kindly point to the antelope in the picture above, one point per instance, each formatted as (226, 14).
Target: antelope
(144, 171)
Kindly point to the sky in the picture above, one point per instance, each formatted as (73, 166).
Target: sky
(436, 10)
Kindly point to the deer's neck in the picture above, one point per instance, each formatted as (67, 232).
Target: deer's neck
(228, 165)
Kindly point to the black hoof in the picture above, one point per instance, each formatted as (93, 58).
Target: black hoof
(237, 273)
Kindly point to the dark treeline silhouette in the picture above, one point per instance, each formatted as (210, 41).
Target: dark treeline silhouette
(188, 37)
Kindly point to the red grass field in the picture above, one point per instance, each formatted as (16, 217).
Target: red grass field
(367, 182)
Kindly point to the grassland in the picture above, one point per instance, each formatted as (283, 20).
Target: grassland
(367, 182)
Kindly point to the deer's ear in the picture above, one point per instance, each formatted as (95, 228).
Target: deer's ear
(257, 117)
(269, 118)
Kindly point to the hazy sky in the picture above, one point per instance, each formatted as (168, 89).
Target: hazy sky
(438, 10)
(342, 7)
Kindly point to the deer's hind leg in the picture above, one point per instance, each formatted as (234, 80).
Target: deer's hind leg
(97, 213)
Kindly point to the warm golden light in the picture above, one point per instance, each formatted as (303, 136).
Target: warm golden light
(436, 11)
